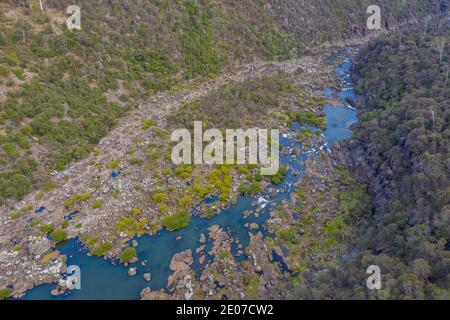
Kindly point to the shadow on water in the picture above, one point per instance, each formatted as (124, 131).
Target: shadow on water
(106, 279)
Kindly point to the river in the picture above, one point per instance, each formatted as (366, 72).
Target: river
(106, 279)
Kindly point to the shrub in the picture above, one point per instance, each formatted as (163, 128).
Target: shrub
(147, 124)
(250, 189)
(102, 249)
(127, 254)
(76, 198)
(178, 221)
(47, 228)
(279, 177)
(58, 235)
(5, 293)
(160, 197)
(136, 212)
(97, 204)
(114, 164)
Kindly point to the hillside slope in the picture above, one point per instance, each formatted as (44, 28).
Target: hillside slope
(62, 91)
(401, 149)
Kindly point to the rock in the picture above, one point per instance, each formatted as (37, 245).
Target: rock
(202, 238)
(178, 238)
(181, 261)
(253, 226)
(147, 294)
(147, 276)
(201, 260)
(278, 251)
(214, 228)
(200, 249)
(246, 213)
(132, 272)
(134, 243)
(38, 245)
(56, 292)
(146, 291)
(134, 260)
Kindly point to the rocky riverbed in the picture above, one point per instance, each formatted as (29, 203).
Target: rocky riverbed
(36, 262)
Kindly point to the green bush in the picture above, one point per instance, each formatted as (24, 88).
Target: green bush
(97, 204)
(58, 235)
(5, 293)
(47, 228)
(160, 197)
(147, 124)
(178, 221)
(76, 198)
(102, 249)
(279, 176)
(250, 189)
(127, 254)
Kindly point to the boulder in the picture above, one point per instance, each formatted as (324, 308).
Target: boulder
(132, 272)
(147, 276)
(181, 261)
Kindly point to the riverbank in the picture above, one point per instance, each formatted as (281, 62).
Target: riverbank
(96, 224)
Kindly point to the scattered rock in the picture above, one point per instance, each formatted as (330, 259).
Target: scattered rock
(200, 249)
(132, 272)
(147, 276)
(253, 226)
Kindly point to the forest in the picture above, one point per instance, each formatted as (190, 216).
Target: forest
(404, 137)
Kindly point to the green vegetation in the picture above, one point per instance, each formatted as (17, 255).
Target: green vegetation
(5, 293)
(76, 198)
(160, 197)
(101, 250)
(403, 133)
(131, 226)
(250, 189)
(147, 124)
(114, 164)
(238, 103)
(127, 254)
(97, 204)
(279, 176)
(177, 221)
(312, 119)
(58, 235)
(47, 228)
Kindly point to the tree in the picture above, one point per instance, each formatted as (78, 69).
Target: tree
(438, 45)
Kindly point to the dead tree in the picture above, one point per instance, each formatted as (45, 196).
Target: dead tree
(439, 45)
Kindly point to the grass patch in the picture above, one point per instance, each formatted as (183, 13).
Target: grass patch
(127, 254)
(250, 189)
(5, 293)
(178, 221)
(58, 235)
(102, 249)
